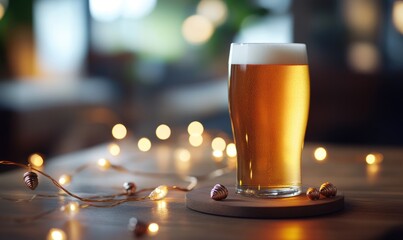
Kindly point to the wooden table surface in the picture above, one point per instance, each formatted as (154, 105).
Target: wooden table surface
(373, 197)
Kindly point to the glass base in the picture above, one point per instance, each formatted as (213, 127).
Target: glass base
(278, 192)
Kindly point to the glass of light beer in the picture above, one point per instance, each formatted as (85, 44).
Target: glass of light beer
(268, 105)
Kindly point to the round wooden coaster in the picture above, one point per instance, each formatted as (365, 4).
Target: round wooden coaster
(236, 205)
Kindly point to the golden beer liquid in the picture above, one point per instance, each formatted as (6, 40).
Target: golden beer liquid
(269, 110)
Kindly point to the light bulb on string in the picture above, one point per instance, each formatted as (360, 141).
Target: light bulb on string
(65, 179)
(36, 160)
(56, 234)
(158, 193)
(104, 163)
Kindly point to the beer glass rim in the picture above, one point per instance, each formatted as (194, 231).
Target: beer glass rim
(267, 43)
(268, 53)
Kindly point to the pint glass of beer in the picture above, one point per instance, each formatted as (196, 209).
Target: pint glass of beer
(268, 104)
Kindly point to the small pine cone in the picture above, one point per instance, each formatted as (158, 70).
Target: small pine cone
(31, 180)
(313, 193)
(219, 192)
(328, 190)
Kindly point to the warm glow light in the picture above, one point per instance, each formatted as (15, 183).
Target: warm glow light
(218, 154)
(144, 144)
(363, 57)
(215, 10)
(2, 11)
(71, 208)
(104, 163)
(119, 131)
(114, 149)
(320, 154)
(397, 15)
(182, 154)
(231, 150)
(56, 234)
(159, 193)
(197, 29)
(196, 140)
(65, 179)
(374, 158)
(362, 16)
(195, 128)
(35, 160)
(153, 228)
(163, 132)
(218, 144)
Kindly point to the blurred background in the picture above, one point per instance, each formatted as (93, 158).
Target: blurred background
(72, 69)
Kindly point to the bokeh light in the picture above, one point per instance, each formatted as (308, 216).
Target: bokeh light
(72, 208)
(103, 163)
(56, 234)
(320, 153)
(197, 29)
(195, 128)
(114, 149)
(119, 131)
(231, 150)
(363, 57)
(153, 228)
(36, 160)
(397, 15)
(144, 144)
(182, 154)
(2, 10)
(196, 140)
(163, 132)
(218, 144)
(215, 10)
(374, 158)
(64, 180)
(218, 154)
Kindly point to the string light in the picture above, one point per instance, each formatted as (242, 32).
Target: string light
(35, 160)
(65, 179)
(153, 228)
(119, 131)
(159, 193)
(163, 132)
(320, 153)
(144, 144)
(114, 149)
(374, 158)
(231, 150)
(104, 163)
(56, 234)
(72, 208)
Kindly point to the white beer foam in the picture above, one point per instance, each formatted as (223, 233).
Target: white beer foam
(268, 53)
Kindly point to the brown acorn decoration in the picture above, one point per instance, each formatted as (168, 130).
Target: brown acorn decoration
(328, 190)
(313, 193)
(130, 187)
(31, 180)
(139, 228)
(219, 192)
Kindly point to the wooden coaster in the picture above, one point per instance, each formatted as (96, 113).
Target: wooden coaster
(236, 205)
